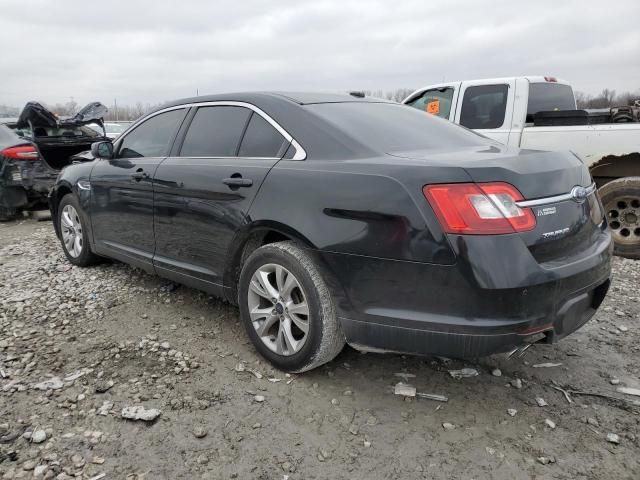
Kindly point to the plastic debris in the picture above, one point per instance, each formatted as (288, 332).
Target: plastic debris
(464, 373)
(546, 365)
(433, 396)
(629, 391)
(404, 389)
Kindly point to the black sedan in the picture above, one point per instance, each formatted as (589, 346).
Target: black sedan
(336, 218)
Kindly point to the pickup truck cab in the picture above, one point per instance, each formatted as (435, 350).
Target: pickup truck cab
(540, 113)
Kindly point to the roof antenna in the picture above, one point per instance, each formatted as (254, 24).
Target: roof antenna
(359, 94)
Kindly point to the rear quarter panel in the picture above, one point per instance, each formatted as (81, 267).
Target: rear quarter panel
(360, 208)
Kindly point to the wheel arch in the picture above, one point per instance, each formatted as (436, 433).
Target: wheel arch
(254, 236)
(612, 167)
(57, 194)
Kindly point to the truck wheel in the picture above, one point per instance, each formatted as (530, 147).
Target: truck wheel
(287, 308)
(621, 200)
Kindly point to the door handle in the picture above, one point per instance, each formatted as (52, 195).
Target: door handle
(139, 175)
(238, 182)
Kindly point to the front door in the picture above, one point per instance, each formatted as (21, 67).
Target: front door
(122, 190)
(204, 190)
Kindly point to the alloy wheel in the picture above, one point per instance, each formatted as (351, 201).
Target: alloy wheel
(71, 230)
(278, 308)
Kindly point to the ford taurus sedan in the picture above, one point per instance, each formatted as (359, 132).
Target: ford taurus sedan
(332, 219)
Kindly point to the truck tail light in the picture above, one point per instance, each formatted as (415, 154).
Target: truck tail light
(550, 79)
(479, 209)
(24, 152)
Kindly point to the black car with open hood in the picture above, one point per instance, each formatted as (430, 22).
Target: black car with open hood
(46, 144)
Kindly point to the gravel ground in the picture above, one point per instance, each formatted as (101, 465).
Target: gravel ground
(78, 347)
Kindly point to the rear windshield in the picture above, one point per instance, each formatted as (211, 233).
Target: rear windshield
(389, 127)
(549, 96)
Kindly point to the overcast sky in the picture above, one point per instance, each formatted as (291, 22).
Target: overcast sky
(157, 50)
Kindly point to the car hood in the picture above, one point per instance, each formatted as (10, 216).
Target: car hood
(35, 115)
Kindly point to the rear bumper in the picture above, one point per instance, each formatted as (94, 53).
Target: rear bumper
(481, 305)
(479, 341)
(24, 183)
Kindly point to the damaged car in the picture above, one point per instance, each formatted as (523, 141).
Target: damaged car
(36, 146)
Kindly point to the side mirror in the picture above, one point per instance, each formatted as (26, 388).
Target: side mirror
(102, 150)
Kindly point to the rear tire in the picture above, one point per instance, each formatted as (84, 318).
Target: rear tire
(72, 225)
(299, 330)
(621, 200)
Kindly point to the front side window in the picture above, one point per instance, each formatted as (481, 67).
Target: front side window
(153, 137)
(215, 132)
(484, 106)
(261, 139)
(436, 101)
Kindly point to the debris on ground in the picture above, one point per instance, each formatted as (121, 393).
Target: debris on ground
(138, 412)
(464, 373)
(546, 365)
(629, 391)
(541, 402)
(404, 389)
(433, 396)
(69, 330)
(613, 438)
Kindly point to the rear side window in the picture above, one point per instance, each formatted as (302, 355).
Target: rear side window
(548, 97)
(437, 101)
(153, 137)
(215, 132)
(261, 139)
(484, 106)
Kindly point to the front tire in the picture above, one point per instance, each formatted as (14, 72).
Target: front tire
(287, 308)
(74, 235)
(621, 201)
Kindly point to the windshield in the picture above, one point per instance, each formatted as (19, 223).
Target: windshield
(544, 97)
(114, 128)
(390, 127)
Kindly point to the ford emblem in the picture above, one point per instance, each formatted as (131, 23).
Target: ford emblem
(578, 194)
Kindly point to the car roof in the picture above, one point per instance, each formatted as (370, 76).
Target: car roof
(301, 98)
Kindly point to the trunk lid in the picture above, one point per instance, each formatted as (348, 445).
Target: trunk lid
(566, 224)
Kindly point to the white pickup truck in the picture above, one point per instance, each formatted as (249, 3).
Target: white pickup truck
(540, 113)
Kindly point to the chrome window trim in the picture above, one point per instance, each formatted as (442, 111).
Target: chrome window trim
(300, 154)
(555, 199)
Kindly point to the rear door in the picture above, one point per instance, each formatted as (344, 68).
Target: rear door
(204, 190)
(486, 106)
(122, 190)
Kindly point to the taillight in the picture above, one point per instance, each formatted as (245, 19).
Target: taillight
(25, 152)
(550, 79)
(479, 209)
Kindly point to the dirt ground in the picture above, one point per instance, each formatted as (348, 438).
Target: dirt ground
(79, 345)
